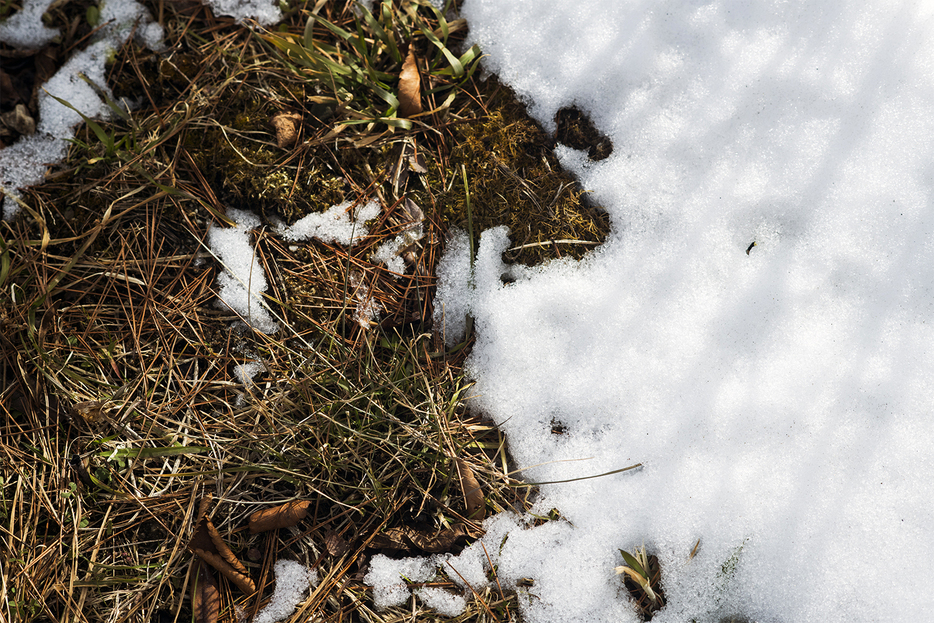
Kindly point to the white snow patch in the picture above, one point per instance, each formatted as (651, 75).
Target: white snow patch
(244, 372)
(779, 401)
(344, 223)
(25, 28)
(441, 601)
(24, 163)
(388, 578)
(389, 253)
(455, 283)
(243, 281)
(469, 570)
(266, 12)
(292, 582)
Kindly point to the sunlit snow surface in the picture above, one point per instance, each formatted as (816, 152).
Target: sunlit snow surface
(781, 402)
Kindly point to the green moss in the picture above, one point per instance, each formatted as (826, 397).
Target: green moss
(516, 180)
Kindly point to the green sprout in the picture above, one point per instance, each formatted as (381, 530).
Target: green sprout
(643, 576)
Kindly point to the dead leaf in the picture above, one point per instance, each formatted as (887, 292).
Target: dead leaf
(207, 543)
(91, 411)
(473, 495)
(410, 87)
(406, 539)
(336, 545)
(413, 213)
(239, 579)
(19, 119)
(408, 159)
(282, 516)
(205, 598)
(287, 125)
(438, 542)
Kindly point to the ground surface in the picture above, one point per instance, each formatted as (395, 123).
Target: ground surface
(121, 405)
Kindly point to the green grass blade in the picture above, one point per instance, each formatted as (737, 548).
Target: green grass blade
(387, 39)
(456, 66)
(633, 563)
(107, 140)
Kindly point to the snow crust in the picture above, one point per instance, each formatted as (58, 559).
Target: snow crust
(266, 12)
(25, 29)
(334, 224)
(241, 285)
(779, 401)
(243, 282)
(292, 582)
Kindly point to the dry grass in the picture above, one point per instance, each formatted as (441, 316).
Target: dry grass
(120, 404)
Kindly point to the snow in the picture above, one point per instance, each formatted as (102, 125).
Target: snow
(334, 224)
(24, 163)
(779, 402)
(242, 283)
(292, 582)
(388, 578)
(388, 253)
(266, 12)
(244, 372)
(25, 28)
(468, 570)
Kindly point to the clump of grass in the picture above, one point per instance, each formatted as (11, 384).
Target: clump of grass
(358, 61)
(516, 180)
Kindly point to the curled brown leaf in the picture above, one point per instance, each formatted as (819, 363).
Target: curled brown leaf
(414, 540)
(206, 542)
(205, 598)
(410, 87)
(286, 125)
(473, 495)
(282, 516)
(238, 578)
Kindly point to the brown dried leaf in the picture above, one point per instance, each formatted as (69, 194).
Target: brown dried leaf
(91, 411)
(473, 495)
(413, 540)
(436, 543)
(410, 87)
(205, 598)
(336, 544)
(240, 579)
(207, 543)
(282, 516)
(394, 538)
(413, 213)
(287, 125)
